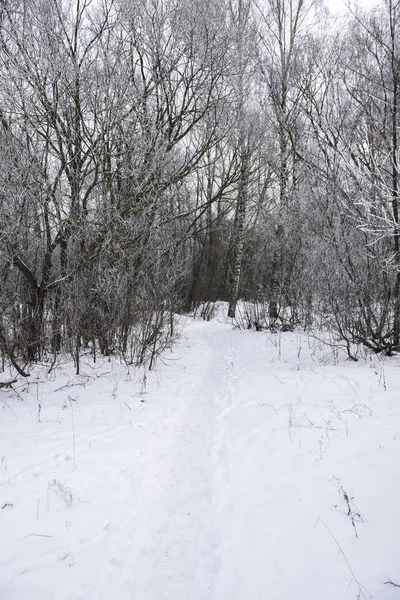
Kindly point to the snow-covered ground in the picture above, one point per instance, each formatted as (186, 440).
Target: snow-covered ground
(250, 466)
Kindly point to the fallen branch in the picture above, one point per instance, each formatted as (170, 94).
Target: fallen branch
(7, 384)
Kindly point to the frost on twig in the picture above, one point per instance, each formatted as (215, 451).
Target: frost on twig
(352, 511)
(61, 491)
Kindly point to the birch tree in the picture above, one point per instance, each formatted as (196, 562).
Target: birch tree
(244, 32)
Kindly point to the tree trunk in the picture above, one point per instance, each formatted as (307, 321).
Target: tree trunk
(238, 245)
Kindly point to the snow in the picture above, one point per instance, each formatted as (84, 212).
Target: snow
(222, 474)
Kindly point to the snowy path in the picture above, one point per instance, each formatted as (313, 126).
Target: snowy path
(227, 483)
(174, 559)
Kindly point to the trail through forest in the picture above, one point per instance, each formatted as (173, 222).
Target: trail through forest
(248, 466)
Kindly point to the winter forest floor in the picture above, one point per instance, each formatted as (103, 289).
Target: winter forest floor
(248, 466)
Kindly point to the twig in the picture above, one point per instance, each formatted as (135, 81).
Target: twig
(328, 426)
(36, 535)
(127, 406)
(358, 406)
(392, 583)
(361, 593)
(98, 375)
(350, 512)
(5, 469)
(67, 385)
(73, 433)
(270, 405)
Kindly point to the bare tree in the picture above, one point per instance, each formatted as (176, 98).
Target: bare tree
(286, 32)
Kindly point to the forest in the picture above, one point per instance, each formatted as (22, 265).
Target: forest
(160, 154)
